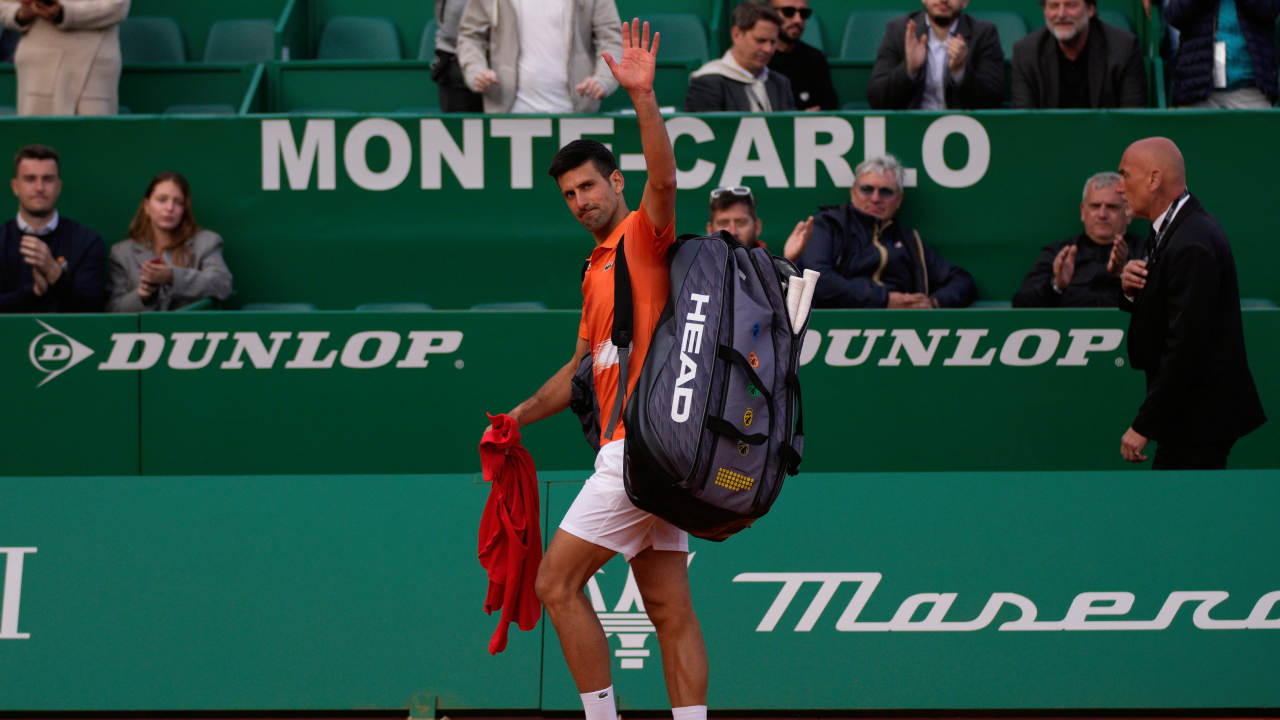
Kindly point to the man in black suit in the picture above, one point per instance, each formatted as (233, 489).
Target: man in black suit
(1078, 61)
(938, 58)
(1186, 330)
(741, 80)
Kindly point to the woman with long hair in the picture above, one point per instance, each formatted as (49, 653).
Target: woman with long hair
(168, 261)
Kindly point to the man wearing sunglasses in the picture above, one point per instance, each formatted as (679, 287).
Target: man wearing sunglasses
(804, 65)
(868, 260)
(734, 209)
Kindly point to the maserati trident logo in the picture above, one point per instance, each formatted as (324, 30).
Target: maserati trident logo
(54, 352)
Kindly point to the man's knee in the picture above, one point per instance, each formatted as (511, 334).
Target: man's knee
(553, 589)
(670, 610)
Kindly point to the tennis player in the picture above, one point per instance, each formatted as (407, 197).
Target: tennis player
(602, 520)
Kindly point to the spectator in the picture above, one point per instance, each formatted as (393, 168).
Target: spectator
(1246, 79)
(168, 261)
(454, 93)
(958, 66)
(68, 61)
(734, 209)
(803, 65)
(524, 63)
(1078, 61)
(48, 263)
(740, 81)
(869, 261)
(1084, 271)
(8, 43)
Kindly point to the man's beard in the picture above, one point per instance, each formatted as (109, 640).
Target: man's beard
(39, 213)
(945, 20)
(1072, 31)
(597, 221)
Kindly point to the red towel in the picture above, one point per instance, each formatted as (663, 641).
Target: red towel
(510, 532)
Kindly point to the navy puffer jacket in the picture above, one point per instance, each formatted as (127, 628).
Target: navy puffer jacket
(1193, 65)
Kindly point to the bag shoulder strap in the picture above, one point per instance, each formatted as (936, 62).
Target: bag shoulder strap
(623, 329)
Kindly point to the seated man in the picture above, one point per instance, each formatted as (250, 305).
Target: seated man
(1084, 271)
(48, 263)
(1078, 61)
(869, 261)
(804, 65)
(741, 81)
(734, 209)
(1242, 29)
(938, 58)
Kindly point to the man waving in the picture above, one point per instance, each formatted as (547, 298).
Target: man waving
(602, 521)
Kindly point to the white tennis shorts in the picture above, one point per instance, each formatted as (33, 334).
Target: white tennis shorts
(603, 515)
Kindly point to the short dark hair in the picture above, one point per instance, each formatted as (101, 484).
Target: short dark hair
(573, 155)
(746, 15)
(728, 200)
(35, 152)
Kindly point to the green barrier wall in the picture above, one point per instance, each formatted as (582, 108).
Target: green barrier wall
(990, 190)
(360, 592)
(265, 393)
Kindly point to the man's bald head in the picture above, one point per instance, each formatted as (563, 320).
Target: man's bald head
(1152, 175)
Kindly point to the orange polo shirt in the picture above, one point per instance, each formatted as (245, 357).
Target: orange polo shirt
(650, 284)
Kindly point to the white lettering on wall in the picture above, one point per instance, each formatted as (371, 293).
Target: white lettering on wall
(698, 129)
(12, 600)
(521, 132)
(979, 151)
(1011, 353)
(831, 154)
(122, 345)
(251, 343)
(467, 162)
(753, 132)
(317, 151)
(184, 342)
(874, 145)
(422, 343)
(354, 154)
(1087, 341)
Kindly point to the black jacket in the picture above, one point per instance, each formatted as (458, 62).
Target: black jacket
(81, 286)
(1117, 78)
(717, 93)
(1091, 285)
(891, 88)
(1193, 65)
(807, 69)
(862, 261)
(1186, 333)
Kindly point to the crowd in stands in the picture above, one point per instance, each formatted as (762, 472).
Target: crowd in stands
(546, 58)
(50, 263)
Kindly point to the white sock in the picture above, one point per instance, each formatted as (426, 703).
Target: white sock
(600, 706)
(690, 712)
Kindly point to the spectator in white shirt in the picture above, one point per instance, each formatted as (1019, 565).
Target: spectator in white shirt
(525, 64)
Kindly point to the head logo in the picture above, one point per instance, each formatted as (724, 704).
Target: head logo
(755, 330)
(743, 448)
(755, 361)
(54, 353)
(751, 390)
(747, 418)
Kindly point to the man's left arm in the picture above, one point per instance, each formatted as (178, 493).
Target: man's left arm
(635, 74)
(1194, 284)
(82, 290)
(606, 32)
(1133, 87)
(982, 86)
(952, 286)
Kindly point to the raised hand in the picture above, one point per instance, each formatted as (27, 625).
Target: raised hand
(639, 59)
(916, 48)
(1119, 256)
(798, 240)
(1064, 268)
(957, 52)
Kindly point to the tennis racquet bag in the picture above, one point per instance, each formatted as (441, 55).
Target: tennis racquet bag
(710, 428)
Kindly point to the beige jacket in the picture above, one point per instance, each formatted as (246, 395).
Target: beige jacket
(207, 277)
(489, 39)
(72, 68)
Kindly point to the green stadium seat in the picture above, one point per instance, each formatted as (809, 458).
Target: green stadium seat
(354, 37)
(863, 33)
(241, 41)
(427, 48)
(989, 304)
(123, 110)
(813, 33)
(212, 109)
(530, 305)
(684, 36)
(152, 39)
(278, 307)
(201, 304)
(1257, 303)
(394, 307)
(1012, 27)
(8, 110)
(1116, 18)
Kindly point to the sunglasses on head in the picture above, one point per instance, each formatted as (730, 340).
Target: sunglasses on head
(735, 190)
(790, 12)
(884, 192)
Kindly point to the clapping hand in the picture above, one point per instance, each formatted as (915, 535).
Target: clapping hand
(1119, 256)
(36, 254)
(639, 60)
(798, 240)
(1064, 268)
(157, 272)
(916, 47)
(957, 52)
(31, 10)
